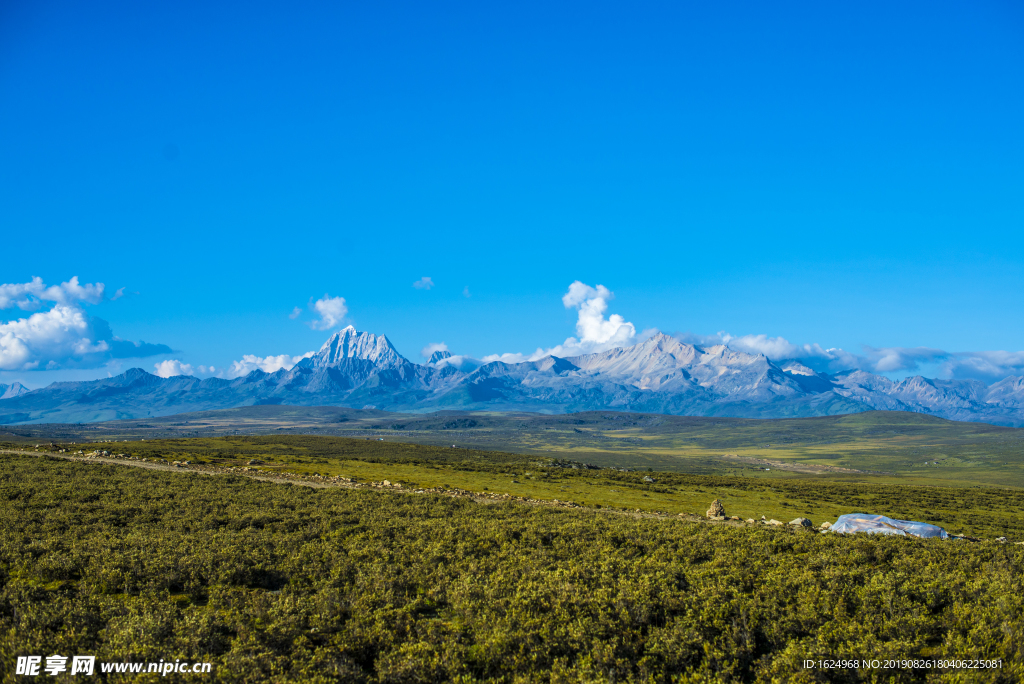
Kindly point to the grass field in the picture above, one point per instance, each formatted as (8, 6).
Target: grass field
(975, 510)
(876, 446)
(278, 583)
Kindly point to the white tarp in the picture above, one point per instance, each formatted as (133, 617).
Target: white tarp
(879, 524)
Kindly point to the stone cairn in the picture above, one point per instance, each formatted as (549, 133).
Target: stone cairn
(717, 510)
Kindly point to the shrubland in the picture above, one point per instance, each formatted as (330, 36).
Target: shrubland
(972, 510)
(282, 583)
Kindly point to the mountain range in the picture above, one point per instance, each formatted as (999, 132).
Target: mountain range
(659, 375)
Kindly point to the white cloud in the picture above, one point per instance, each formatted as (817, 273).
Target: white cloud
(433, 347)
(895, 359)
(466, 364)
(580, 292)
(465, 292)
(772, 347)
(117, 294)
(595, 333)
(267, 364)
(48, 339)
(31, 295)
(591, 325)
(296, 312)
(248, 363)
(986, 365)
(64, 336)
(424, 283)
(332, 311)
(171, 368)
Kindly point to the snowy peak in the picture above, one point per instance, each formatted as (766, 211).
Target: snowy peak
(663, 353)
(664, 364)
(439, 355)
(660, 351)
(349, 343)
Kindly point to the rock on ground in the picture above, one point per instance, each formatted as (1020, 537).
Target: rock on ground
(717, 510)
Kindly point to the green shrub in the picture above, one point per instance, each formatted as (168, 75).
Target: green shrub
(277, 583)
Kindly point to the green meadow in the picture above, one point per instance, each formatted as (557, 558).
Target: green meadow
(871, 447)
(961, 506)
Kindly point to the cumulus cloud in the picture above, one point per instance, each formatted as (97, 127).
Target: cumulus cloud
(424, 283)
(594, 332)
(267, 364)
(31, 295)
(296, 312)
(44, 339)
(427, 351)
(63, 336)
(171, 368)
(332, 311)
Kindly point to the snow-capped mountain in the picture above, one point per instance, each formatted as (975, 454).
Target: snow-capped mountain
(660, 374)
(664, 364)
(438, 356)
(349, 344)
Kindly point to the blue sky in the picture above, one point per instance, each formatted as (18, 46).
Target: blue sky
(841, 176)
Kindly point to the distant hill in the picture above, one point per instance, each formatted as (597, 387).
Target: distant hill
(12, 391)
(660, 375)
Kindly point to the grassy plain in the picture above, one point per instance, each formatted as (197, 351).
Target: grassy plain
(277, 583)
(784, 495)
(875, 446)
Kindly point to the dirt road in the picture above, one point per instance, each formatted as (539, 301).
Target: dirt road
(167, 467)
(282, 478)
